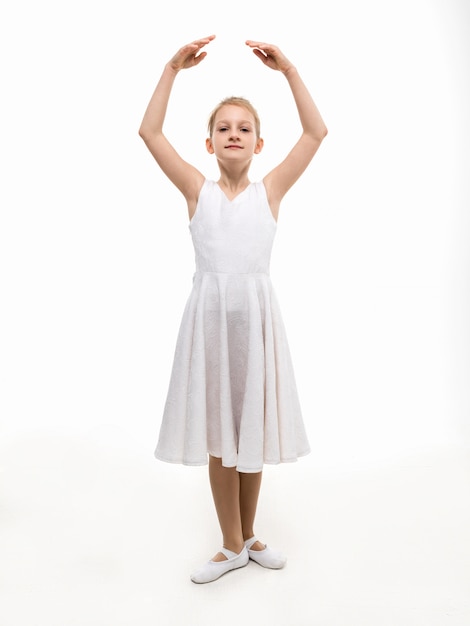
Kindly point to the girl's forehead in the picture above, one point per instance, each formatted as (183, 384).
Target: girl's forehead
(234, 111)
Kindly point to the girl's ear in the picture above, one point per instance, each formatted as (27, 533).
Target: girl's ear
(209, 146)
(259, 145)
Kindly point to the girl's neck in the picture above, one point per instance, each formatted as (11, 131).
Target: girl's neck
(234, 181)
(233, 186)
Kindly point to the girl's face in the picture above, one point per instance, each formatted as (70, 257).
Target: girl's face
(234, 135)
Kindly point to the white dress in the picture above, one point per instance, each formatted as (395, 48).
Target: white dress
(232, 391)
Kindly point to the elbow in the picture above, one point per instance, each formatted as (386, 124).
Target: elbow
(318, 134)
(148, 134)
(143, 132)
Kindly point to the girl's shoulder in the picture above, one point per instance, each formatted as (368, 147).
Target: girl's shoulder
(206, 191)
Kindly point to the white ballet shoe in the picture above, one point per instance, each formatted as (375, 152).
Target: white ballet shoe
(215, 569)
(267, 558)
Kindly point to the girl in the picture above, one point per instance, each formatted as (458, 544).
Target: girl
(232, 400)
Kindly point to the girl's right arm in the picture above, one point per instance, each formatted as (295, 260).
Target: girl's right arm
(186, 177)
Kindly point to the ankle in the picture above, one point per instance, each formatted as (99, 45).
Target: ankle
(234, 546)
(253, 545)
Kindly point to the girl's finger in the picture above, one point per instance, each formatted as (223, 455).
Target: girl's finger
(204, 40)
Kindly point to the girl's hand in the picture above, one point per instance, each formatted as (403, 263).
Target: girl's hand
(270, 55)
(189, 55)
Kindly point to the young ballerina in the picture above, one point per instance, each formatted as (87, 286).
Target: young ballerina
(232, 399)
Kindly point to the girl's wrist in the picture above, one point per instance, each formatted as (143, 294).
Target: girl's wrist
(290, 71)
(171, 69)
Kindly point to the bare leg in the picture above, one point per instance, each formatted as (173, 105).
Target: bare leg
(225, 485)
(250, 485)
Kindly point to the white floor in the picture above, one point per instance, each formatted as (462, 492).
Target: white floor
(92, 536)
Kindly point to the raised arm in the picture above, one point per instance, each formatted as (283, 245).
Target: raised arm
(186, 177)
(281, 178)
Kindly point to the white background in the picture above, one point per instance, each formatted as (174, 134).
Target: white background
(371, 262)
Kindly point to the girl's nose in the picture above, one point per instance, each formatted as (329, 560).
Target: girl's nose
(234, 134)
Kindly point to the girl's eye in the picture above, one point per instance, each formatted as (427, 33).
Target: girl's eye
(245, 130)
(222, 129)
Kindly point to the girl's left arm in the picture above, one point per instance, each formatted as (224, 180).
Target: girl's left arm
(314, 130)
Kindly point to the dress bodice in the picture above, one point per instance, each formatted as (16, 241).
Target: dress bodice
(233, 236)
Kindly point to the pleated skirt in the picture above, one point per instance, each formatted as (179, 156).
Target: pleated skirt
(232, 391)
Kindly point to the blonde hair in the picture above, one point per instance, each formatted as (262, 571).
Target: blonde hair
(237, 101)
